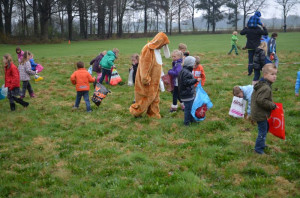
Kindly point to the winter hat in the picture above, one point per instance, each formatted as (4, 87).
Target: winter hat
(257, 13)
(189, 61)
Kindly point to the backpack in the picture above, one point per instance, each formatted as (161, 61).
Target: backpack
(99, 94)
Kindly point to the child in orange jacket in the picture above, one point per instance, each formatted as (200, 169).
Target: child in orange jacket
(81, 78)
(198, 72)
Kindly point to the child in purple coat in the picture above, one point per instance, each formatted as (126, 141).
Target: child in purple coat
(174, 72)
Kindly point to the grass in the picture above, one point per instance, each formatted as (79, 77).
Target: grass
(50, 150)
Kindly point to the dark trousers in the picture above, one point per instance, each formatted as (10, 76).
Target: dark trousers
(12, 96)
(175, 95)
(104, 73)
(85, 95)
(188, 118)
(250, 61)
(260, 143)
(233, 48)
(256, 74)
(26, 85)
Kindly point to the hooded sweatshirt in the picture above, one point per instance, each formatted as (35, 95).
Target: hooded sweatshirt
(261, 101)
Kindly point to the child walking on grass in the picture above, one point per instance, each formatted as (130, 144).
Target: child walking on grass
(135, 64)
(262, 104)
(25, 73)
(198, 72)
(81, 78)
(107, 63)
(234, 40)
(186, 88)
(12, 82)
(260, 59)
(174, 72)
(20, 54)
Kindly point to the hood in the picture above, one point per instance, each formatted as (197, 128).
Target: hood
(257, 13)
(160, 40)
(261, 83)
(110, 53)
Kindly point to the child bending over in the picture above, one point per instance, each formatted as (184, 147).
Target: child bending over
(244, 92)
(107, 63)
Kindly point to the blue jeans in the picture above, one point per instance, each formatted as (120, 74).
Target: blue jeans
(260, 143)
(188, 118)
(256, 74)
(250, 61)
(85, 95)
(276, 60)
(233, 48)
(104, 73)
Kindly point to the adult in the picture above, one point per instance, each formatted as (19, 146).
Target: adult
(253, 40)
(148, 77)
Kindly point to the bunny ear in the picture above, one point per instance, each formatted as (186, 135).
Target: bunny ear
(166, 51)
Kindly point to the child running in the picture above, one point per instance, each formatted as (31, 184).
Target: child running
(81, 78)
(262, 104)
(198, 72)
(244, 92)
(234, 40)
(174, 72)
(12, 82)
(25, 73)
(107, 63)
(186, 88)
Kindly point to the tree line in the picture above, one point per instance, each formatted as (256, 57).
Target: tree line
(104, 18)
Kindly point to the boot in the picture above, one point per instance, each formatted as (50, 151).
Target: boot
(12, 106)
(21, 102)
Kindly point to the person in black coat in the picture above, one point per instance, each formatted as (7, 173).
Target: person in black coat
(253, 41)
(186, 87)
(260, 59)
(96, 64)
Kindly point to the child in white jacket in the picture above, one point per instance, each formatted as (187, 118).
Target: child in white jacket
(244, 92)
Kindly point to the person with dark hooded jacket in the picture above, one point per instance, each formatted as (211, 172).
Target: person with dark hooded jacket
(253, 40)
(96, 64)
(260, 59)
(186, 87)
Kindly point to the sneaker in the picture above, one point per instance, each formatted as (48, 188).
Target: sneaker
(38, 78)
(32, 95)
(173, 110)
(74, 107)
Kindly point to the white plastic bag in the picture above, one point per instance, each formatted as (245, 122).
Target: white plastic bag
(161, 82)
(237, 108)
(130, 77)
(90, 70)
(4, 90)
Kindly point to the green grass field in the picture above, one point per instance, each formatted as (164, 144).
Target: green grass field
(50, 150)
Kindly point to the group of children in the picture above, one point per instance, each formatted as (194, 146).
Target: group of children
(13, 75)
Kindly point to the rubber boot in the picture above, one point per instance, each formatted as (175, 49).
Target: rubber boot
(21, 102)
(12, 106)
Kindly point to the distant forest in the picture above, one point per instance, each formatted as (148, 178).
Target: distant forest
(83, 19)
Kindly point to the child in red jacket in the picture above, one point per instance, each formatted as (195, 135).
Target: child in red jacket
(81, 78)
(198, 72)
(12, 82)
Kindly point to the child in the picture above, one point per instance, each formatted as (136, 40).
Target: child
(12, 82)
(262, 104)
(297, 85)
(260, 59)
(234, 41)
(25, 73)
(254, 20)
(186, 87)
(177, 61)
(198, 72)
(272, 49)
(107, 63)
(81, 78)
(20, 54)
(33, 68)
(244, 92)
(183, 48)
(135, 64)
(96, 64)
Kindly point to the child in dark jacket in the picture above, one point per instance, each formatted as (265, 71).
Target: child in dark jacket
(260, 59)
(107, 63)
(272, 49)
(96, 64)
(174, 72)
(262, 104)
(186, 87)
(12, 82)
(81, 78)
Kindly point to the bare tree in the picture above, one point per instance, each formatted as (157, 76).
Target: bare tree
(101, 7)
(121, 8)
(233, 17)
(191, 4)
(287, 5)
(7, 5)
(1, 20)
(249, 7)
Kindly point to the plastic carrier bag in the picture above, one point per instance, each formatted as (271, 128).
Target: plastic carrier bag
(237, 108)
(99, 93)
(115, 77)
(167, 79)
(39, 68)
(161, 83)
(130, 77)
(4, 91)
(201, 104)
(276, 122)
(90, 70)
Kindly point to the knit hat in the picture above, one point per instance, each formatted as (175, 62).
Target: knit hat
(189, 61)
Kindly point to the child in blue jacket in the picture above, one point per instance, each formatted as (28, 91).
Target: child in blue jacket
(254, 20)
(174, 72)
(244, 92)
(297, 85)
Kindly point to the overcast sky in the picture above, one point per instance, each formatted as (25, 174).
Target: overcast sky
(275, 10)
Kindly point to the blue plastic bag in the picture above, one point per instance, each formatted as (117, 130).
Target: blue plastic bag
(1, 96)
(201, 99)
(90, 70)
